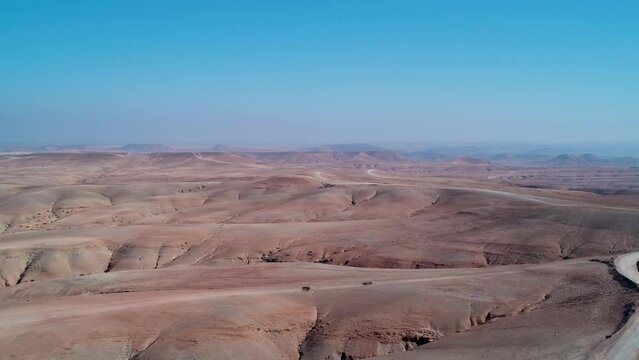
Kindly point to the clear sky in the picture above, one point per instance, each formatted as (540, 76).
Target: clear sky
(294, 72)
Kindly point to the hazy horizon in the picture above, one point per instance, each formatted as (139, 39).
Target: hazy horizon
(249, 72)
(479, 149)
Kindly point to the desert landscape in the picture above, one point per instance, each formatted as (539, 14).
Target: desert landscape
(319, 180)
(331, 253)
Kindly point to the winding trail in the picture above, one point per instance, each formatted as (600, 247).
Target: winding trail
(501, 176)
(531, 198)
(625, 345)
(199, 156)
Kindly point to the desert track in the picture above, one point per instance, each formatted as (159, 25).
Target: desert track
(626, 343)
(513, 195)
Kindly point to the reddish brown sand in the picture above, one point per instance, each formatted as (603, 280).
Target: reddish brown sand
(205, 255)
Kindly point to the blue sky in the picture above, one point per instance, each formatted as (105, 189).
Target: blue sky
(294, 72)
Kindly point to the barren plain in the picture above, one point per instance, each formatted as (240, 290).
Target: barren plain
(312, 255)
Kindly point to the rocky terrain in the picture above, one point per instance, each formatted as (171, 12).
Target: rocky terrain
(326, 254)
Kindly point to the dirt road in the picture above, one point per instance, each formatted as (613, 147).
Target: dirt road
(625, 344)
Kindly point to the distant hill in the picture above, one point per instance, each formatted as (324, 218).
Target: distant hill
(566, 160)
(350, 148)
(471, 161)
(519, 158)
(221, 148)
(591, 160)
(145, 148)
(428, 155)
(355, 159)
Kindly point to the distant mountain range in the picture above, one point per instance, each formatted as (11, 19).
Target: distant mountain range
(145, 148)
(350, 148)
(363, 153)
(591, 160)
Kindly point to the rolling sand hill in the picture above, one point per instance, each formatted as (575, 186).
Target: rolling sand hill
(311, 255)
